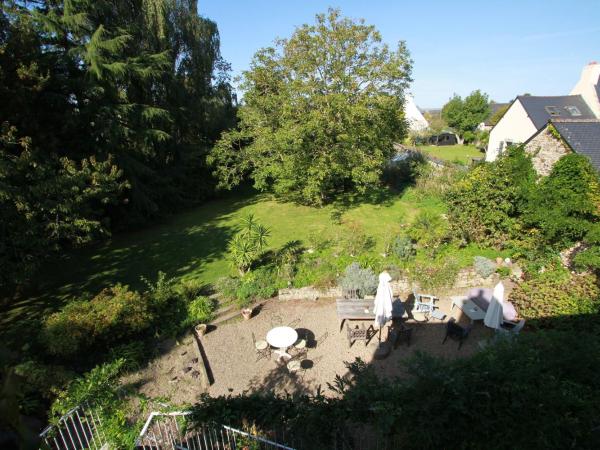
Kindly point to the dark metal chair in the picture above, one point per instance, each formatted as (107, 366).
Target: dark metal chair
(359, 334)
(262, 348)
(350, 293)
(456, 332)
(400, 334)
(300, 347)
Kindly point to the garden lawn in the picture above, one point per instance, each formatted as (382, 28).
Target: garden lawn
(193, 245)
(455, 153)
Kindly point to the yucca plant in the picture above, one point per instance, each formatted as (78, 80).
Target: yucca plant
(248, 244)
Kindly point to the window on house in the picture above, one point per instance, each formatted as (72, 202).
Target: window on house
(552, 110)
(573, 110)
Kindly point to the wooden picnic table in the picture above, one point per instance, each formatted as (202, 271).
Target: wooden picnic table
(358, 309)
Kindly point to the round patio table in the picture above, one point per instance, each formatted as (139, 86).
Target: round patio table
(282, 338)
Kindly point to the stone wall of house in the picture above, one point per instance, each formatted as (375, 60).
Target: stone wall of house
(466, 278)
(545, 150)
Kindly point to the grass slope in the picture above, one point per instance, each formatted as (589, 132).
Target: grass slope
(455, 153)
(192, 245)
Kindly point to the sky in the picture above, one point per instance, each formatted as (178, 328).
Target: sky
(504, 48)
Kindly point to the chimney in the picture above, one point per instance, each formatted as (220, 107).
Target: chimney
(588, 87)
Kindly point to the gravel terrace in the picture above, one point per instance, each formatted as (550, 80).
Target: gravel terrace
(233, 362)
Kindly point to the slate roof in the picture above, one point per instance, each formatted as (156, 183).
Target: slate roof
(539, 115)
(494, 107)
(583, 136)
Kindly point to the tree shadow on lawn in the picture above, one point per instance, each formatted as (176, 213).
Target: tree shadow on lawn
(182, 244)
(385, 195)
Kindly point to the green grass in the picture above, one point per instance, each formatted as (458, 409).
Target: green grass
(192, 245)
(455, 153)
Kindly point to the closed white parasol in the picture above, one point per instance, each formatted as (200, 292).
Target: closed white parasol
(495, 312)
(383, 300)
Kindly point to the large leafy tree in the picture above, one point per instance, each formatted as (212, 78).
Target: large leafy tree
(465, 115)
(108, 110)
(321, 112)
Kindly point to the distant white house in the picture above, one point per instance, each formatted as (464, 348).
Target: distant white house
(527, 114)
(494, 108)
(416, 121)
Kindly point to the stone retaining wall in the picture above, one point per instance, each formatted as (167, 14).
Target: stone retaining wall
(466, 278)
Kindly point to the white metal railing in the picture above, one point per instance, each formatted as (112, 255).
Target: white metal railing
(80, 428)
(168, 431)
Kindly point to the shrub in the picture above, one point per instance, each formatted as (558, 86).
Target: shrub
(369, 261)
(484, 266)
(557, 299)
(133, 354)
(191, 289)
(40, 385)
(287, 258)
(565, 203)
(101, 389)
(429, 230)
(354, 241)
(115, 315)
(246, 247)
(227, 287)
(162, 291)
(315, 270)
(355, 278)
(259, 284)
(503, 272)
(400, 172)
(167, 305)
(437, 275)
(486, 205)
(200, 310)
(318, 240)
(403, 247)
(112, 315)
(432, 182)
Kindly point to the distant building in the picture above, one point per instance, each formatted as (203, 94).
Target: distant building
(528, 114)
(444, 138)
(494, 108)
(416, 121)
(560, 137)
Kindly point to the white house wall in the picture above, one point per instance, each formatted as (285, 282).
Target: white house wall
(586, 87)
(515, 127)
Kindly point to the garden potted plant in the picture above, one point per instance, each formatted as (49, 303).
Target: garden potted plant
(201, 329)
(201, 311)
(245, 308)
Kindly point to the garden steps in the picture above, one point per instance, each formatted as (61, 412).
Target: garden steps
(228, 312)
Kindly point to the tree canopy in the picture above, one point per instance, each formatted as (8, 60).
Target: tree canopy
(465, 115)
(108, 110)
(322, 110)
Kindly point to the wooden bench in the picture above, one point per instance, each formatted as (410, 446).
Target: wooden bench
(357, 309)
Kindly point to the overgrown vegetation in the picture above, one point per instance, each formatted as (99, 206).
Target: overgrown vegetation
(550, 390)
(556, 298)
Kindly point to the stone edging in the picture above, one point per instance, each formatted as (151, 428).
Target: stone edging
(466, 278)
(206, 378)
